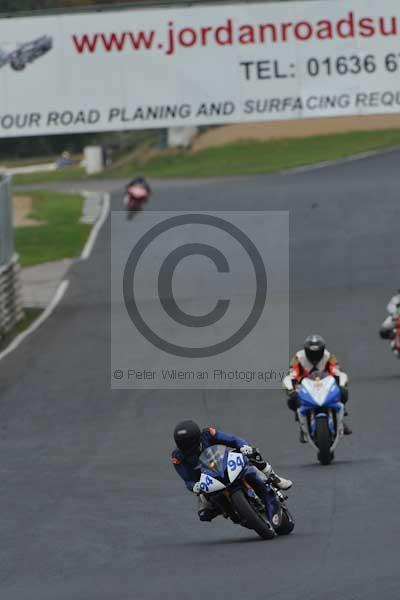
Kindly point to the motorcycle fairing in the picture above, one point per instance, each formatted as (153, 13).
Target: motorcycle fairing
(235, 464)
(319, 393)
(209, 484)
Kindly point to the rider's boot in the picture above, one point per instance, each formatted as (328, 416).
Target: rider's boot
(303, 439)
(346, 429)
(345, 398)
(395, 350)
(279, 482)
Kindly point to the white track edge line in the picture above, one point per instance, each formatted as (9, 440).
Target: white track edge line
(86, 252)
(58, 296)
(338, 161)
(63, 286)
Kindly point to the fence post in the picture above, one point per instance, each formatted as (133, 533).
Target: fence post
(10, 286)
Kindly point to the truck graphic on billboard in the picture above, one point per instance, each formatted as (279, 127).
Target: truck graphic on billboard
(26, 53)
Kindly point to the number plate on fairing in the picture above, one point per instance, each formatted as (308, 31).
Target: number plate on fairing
(208, 484)
(235, 465)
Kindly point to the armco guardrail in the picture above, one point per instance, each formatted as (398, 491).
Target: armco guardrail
(6, 222)
(10, 286)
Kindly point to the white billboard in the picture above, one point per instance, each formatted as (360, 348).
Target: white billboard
(200, 65)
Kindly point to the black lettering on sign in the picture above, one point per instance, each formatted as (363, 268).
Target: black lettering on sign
(52, 118)
(211, 109)
(20, 121)
(69, 118)
(113, 114)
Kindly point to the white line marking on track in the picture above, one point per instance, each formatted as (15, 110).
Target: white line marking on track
(86, 252)
(58, 296)
(339, 161)
(63, 286)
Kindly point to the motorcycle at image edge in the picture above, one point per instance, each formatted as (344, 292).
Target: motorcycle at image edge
(321, 413)
(223, 483)
(136, 196)
(395, 343)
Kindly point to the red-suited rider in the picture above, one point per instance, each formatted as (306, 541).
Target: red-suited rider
(314, 356)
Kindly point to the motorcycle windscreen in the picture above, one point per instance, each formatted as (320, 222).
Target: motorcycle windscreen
(214, 459)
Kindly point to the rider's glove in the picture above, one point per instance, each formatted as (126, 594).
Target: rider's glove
(196, 488)
(247, 450)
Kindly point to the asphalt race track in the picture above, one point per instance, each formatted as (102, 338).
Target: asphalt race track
(90, 507)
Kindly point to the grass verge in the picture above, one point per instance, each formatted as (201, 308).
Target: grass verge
(242, 158)
(247, 158)
(30, 315)
(60, 236)
(66, 174)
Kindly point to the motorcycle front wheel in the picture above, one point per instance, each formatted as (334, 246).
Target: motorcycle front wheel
(323, 441)
(287, 523)
(249, 517)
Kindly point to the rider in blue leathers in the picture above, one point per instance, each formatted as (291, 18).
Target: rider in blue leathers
(191, 442)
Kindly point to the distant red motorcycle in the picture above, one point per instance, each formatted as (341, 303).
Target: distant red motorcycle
(137, 193)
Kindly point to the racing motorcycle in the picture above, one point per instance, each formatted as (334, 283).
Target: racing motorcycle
(321, 413)
(136, 195)
(396, 340)
(390, 328)
(227, 484)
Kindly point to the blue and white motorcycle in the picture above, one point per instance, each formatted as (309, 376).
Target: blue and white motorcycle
(240, 492)
(321, 413)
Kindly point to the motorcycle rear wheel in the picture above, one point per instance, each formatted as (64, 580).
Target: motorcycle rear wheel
(249, 516)
(323, 441)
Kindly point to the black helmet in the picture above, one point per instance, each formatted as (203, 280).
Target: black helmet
(314, 347)
(140, 180)
(187, 436)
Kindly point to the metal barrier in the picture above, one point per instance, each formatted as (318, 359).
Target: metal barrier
(10, 287)
(6, 222)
